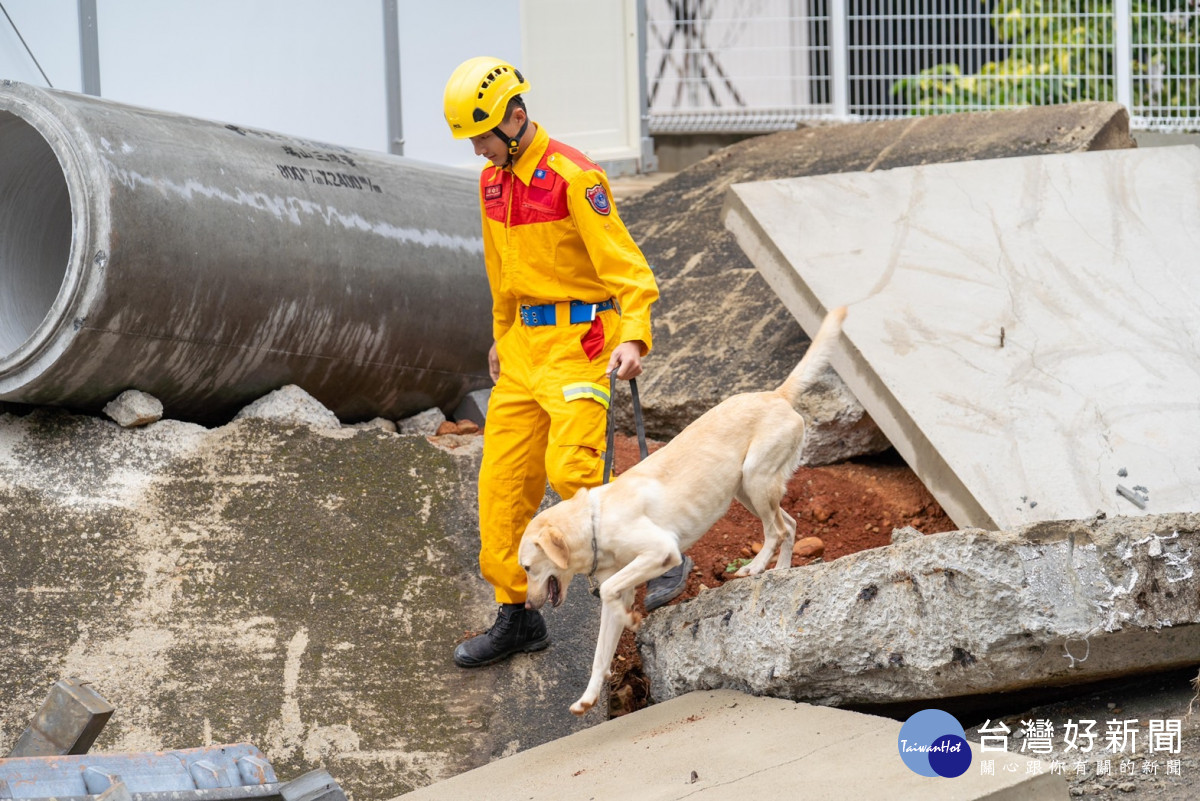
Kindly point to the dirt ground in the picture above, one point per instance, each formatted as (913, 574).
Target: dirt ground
(849, 507)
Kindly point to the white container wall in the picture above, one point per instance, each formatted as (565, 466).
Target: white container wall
(582, 61)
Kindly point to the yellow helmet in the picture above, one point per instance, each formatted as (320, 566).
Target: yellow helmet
(477, 95)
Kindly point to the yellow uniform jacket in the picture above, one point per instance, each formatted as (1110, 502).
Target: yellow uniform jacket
(551, 234)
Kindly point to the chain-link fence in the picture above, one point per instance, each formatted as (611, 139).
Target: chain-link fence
(760, 65)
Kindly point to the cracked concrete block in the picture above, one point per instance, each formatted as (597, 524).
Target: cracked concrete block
(957, 614)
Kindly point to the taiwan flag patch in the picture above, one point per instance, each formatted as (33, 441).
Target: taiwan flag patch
(598, 199)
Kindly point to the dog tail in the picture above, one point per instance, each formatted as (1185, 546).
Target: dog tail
(815, 358)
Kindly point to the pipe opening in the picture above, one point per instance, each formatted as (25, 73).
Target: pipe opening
(35, 230)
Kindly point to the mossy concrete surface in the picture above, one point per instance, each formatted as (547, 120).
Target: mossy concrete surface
(295, 588)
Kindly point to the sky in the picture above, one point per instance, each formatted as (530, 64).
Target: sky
(309, 68)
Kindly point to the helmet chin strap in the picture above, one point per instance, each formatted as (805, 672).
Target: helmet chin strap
(512, 142)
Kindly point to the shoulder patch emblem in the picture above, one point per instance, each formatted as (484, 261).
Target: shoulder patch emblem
(539, 173)
(598, 199)
(492, 191)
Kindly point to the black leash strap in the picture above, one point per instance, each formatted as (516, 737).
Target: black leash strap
(608, 457)
(612, 425)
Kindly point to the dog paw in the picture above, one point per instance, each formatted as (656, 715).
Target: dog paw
(751, 569)
(581, 707)
(633, 620)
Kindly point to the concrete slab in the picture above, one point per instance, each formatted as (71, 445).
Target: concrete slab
(297, 588)
(1023, 330)
(718, 327)
(725, 744)
(949, 618)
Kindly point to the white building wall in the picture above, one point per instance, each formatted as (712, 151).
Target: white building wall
(581, 59)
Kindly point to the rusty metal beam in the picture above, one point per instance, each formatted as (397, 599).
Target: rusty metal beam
(68, 721)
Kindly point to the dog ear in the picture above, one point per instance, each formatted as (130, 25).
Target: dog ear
(555, 545)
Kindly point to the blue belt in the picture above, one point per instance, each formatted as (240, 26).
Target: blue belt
(580, 312)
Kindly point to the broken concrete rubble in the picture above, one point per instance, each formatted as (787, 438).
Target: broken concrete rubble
(838, 426)
(254, 579)
(290, 404)
(134, 408)
(474, 407)
(377, 424)
(425, 423)
(948, 615)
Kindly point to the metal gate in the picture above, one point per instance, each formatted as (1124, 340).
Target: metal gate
(762, 65)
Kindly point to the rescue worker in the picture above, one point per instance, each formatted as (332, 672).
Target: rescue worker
(571, 296)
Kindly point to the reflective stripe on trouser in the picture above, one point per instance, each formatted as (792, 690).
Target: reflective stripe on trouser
(537, 430)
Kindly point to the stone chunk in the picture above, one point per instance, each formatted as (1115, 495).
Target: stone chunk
(474, 407)
(809, 546)
(838, 426)
(963, 613)
(424, 424)
(291, 404)
(905, 534)
(377, 424)
(133, 408)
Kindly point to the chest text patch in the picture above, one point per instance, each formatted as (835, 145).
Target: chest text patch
(493, 192)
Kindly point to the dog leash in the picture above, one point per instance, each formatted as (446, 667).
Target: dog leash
(612, 427)
(611, 436)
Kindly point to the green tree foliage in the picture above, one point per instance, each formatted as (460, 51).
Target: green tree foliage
(1061, 51)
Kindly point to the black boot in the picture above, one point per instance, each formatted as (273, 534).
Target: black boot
(516, 629)
(668, 586)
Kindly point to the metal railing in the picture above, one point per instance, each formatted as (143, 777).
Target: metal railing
(762, 65)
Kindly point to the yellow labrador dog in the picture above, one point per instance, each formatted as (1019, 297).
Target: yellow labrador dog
(636, 528)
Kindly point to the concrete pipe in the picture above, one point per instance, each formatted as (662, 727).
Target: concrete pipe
(208, 264)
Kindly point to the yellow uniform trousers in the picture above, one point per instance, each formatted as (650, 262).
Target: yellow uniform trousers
(545, 421)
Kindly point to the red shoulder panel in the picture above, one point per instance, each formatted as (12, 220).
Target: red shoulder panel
(577, 158)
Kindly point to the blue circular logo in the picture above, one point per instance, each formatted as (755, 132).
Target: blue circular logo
(932, 743)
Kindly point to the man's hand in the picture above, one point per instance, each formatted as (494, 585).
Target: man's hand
(494, 364)
(627, 360)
